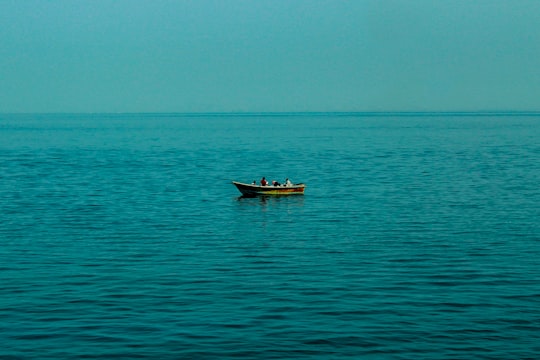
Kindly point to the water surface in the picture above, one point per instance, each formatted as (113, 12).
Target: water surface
(121, 236)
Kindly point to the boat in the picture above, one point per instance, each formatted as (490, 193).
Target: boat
(256, 190)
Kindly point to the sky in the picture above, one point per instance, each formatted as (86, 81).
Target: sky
(269, 55)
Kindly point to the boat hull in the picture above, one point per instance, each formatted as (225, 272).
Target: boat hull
(256, 190)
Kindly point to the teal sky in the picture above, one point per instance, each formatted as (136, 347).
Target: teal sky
(269, 55)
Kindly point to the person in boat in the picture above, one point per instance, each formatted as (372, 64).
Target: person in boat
(288, 182)
(254, 182)
(264, 182)
(275, 183)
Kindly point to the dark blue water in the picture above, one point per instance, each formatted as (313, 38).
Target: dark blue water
(121, 237)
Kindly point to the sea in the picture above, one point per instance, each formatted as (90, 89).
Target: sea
(122, 236)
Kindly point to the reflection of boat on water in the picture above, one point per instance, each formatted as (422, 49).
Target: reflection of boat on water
(256, 190)
(283, 203)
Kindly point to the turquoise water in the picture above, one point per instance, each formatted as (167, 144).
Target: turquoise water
(122, 237)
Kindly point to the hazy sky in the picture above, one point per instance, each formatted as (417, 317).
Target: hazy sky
(269, 55)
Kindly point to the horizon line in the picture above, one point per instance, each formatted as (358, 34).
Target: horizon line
(297, 113)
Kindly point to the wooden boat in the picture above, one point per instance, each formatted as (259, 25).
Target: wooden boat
(255, 190)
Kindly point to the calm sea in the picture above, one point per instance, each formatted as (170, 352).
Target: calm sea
(122, 237)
